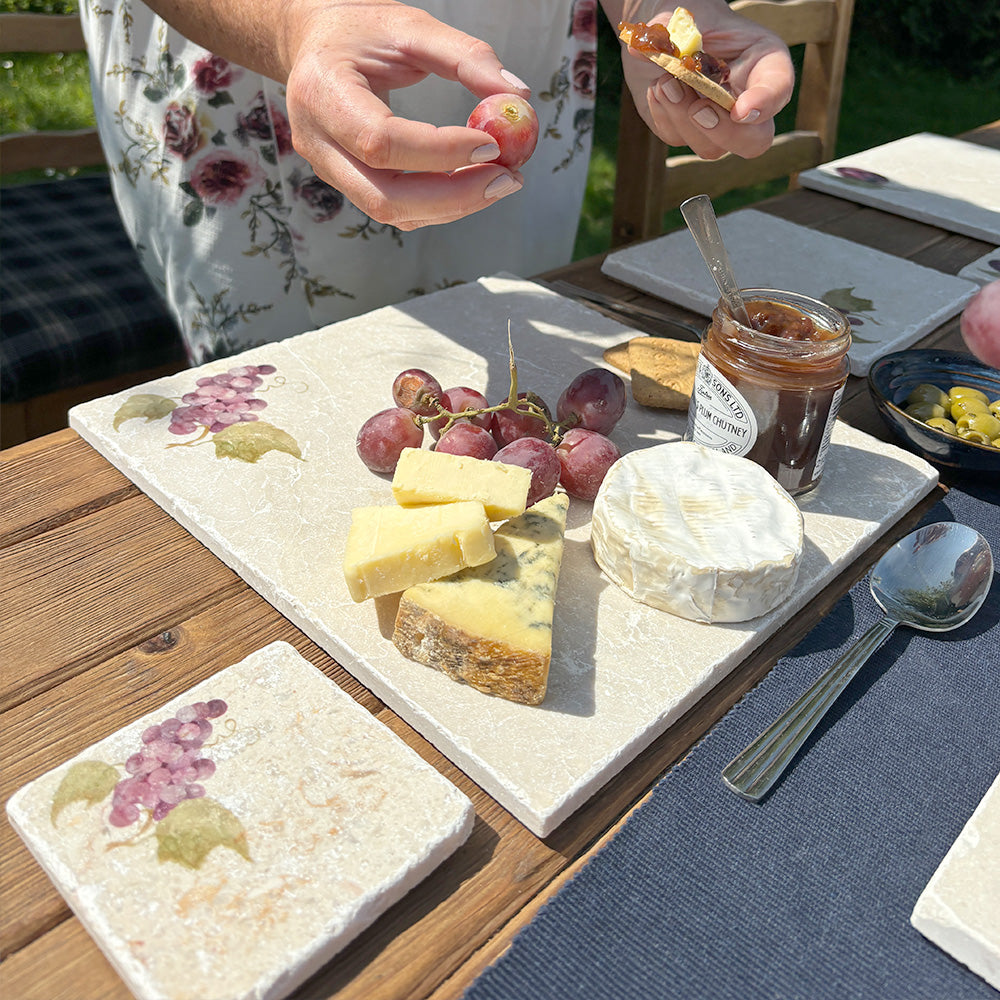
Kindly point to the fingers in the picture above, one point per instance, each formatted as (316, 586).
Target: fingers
(410, 199)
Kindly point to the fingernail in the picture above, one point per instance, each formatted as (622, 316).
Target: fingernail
(672, 90)
(706, 118)
(500, 186)
(514, 81)
(483, 154)
(751, 116)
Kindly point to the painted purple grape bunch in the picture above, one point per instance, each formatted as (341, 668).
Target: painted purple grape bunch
(219, 401)
(861, 176)
(170, 767)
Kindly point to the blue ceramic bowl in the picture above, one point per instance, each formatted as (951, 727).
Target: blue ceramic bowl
(892, 378)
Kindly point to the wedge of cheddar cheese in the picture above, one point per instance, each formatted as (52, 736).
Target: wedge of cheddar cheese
(491, 626)
(429, 477)
(391, 548)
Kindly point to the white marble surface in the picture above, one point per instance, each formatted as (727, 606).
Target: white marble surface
(621, 672)
(327, 818)
(984, 269)
(891, 302)
(931, 178)
(959, 910)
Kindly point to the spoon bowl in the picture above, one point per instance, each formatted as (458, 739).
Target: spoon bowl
(935, 579)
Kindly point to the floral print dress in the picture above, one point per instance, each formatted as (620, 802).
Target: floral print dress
(249, 246)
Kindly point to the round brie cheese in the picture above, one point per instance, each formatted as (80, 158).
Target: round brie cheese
(701, 534)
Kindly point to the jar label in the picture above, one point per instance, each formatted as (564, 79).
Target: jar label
(719, 417)
(828, 431)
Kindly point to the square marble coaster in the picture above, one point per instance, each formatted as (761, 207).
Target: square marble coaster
(960, 908)
(983, 270)
(274, 502)
(313, 819)
(931, 178)
(890, 301)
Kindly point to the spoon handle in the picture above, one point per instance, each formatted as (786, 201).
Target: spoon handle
(752, 773)
(704, 226)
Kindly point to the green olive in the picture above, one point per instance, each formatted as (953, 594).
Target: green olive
(983, 422)
(994, 407)
(967, 404)
(927, 393)
(943, 424)
(967, 392)
(978, 437)
(995, 442)
(924, 411)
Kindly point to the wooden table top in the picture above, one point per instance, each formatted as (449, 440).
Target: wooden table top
(96, 632)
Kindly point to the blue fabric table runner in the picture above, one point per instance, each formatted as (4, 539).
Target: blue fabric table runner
(807, 894)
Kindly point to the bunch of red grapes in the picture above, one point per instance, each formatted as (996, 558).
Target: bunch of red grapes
(573, 449)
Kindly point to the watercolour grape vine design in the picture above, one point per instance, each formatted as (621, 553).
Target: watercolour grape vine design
(163, 789)
(224, 409)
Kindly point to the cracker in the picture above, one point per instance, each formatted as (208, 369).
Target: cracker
(618, 356)
(662, 371)
(696, 81)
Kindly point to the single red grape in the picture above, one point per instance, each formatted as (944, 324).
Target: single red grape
(457, 400)
(415, 390)
(585, 457)
(510, 425)
(383, 436)
(594, 400)
(538, 456)
(465, 438)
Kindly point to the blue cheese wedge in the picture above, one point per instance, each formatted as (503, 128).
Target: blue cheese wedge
(704, 535)
(491, 626)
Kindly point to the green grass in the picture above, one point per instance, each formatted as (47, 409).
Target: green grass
(885, 98)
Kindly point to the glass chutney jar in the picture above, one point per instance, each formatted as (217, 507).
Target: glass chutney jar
(771, 391)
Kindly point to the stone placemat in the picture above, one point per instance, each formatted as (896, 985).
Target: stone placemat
(245, 867)
(948, 182)
(891, 302)
(275, 502)
(984, 269)
(959, 910)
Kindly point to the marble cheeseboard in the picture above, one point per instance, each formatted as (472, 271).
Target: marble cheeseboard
(278, 513)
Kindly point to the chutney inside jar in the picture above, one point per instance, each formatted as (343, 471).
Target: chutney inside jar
(770, 391)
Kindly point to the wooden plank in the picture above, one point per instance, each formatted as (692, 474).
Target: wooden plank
(126, 687)
(20, 32)
(52, 149)
(50, 481)
(64, 614)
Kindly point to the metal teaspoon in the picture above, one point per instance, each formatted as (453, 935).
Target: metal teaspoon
(701, 221)
(935, 579)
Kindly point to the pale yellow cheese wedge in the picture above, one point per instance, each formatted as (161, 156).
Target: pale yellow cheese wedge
(391, 548)
(429, 477)
(491, 626)
(684, 32)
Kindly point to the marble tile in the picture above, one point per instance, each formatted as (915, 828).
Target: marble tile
(959, 910)
(984, 269)
(313, 819)
(931, 178)
(890, 301)
(621, 672)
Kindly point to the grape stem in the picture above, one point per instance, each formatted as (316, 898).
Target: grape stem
(525, 407)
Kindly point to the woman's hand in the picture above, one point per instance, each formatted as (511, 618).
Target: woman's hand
(761, 76)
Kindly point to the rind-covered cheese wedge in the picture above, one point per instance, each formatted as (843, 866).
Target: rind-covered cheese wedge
(701, 534)
(491, 627)
(428, 477)
(391, 548)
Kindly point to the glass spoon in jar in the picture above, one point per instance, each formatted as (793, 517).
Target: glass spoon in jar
(935, 579)
(701, 221)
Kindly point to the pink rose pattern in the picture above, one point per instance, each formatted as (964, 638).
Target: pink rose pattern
(219, 139)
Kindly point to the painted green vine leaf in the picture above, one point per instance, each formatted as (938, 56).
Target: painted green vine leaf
(846, 301)
(89, 781)
(146, 405)
(249, 441)
(193, 828)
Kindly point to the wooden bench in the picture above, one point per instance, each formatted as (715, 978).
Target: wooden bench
(79, 318)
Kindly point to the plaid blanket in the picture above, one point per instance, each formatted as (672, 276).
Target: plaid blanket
(75, 304)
